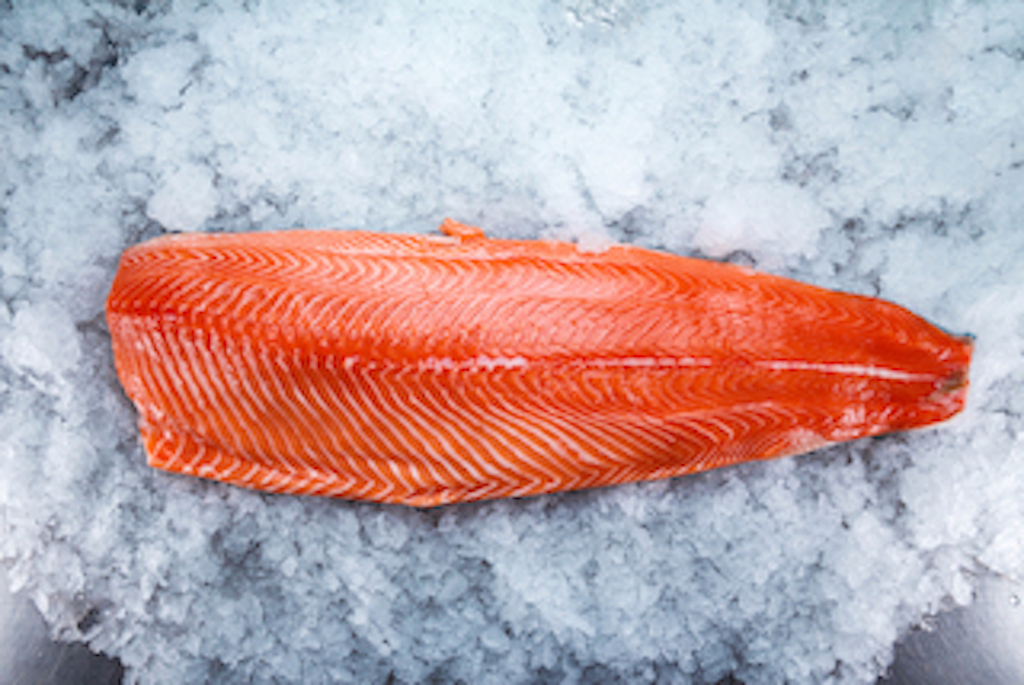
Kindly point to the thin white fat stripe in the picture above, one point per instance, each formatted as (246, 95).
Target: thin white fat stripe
(420, 414)
(478, 363)
(283, 442)
(365, 427)
(303, 484)
(584, 440)
(423, 454)
(161, 349)
(254, 396)
(723, 426)
(295, 402)
(490, 454)
(207, 369)
(595, 431)
(493, 363)
(200, 452)
(414, 483)
(182, 346)
(535, 439)
(647, 362)
(428, 403)
(551, 469)
(354, 427)
(460, 412)
(269, 310)
(313, 310)
(254, 469)
(460, 465)
(307, 419)
(587, 442)
(532, 425)
(147, 373)
(323, 476)
(219, 361)
(850, 369)
(325, 410)
(236, 295)
(236, 464)
(179, 441)
(381, 484)
(369, 402)
(159, 441)
(269, 476)
(599, 444)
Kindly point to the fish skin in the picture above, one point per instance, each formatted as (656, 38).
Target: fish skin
(427, 370)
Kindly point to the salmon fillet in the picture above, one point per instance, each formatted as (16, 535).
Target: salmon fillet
(426, 370)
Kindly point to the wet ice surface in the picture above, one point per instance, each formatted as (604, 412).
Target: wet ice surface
(875, 149)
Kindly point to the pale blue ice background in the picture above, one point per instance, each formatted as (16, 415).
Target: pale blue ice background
(875, 147)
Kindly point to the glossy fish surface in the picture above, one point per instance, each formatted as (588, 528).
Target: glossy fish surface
(427, 370)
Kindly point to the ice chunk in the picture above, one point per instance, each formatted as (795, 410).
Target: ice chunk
(43, 340)
(185, 199)
(162, 75)
(780, 219)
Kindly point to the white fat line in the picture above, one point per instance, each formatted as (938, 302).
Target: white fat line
(532, 455)
(372, 405)
(599, 439)
(498, 440)
(425, 457)
(254, 469)
(305, 416)
(255, 398)
(538, 428)
(158, 347)
(850, 369)
(212, 469)
(203, 358)
(197, 456)
(172, 463)
(325, 409)
(488, 363)
(282, 440)
(592, 436)
(364, 435)
(648, 362)
(354, 432)
(479, 363)
(480, 415)
(235, 463)
(425, 404)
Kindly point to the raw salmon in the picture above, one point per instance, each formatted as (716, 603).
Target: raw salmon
(425, 370)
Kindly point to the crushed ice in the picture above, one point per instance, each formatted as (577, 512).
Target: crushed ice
(876, 149)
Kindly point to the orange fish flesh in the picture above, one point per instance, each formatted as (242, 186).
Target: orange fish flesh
(426, 370)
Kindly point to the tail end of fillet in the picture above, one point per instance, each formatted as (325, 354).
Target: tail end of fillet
(922, 405)
(951, 390)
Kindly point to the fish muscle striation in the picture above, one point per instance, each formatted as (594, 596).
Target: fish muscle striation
(426, 370)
